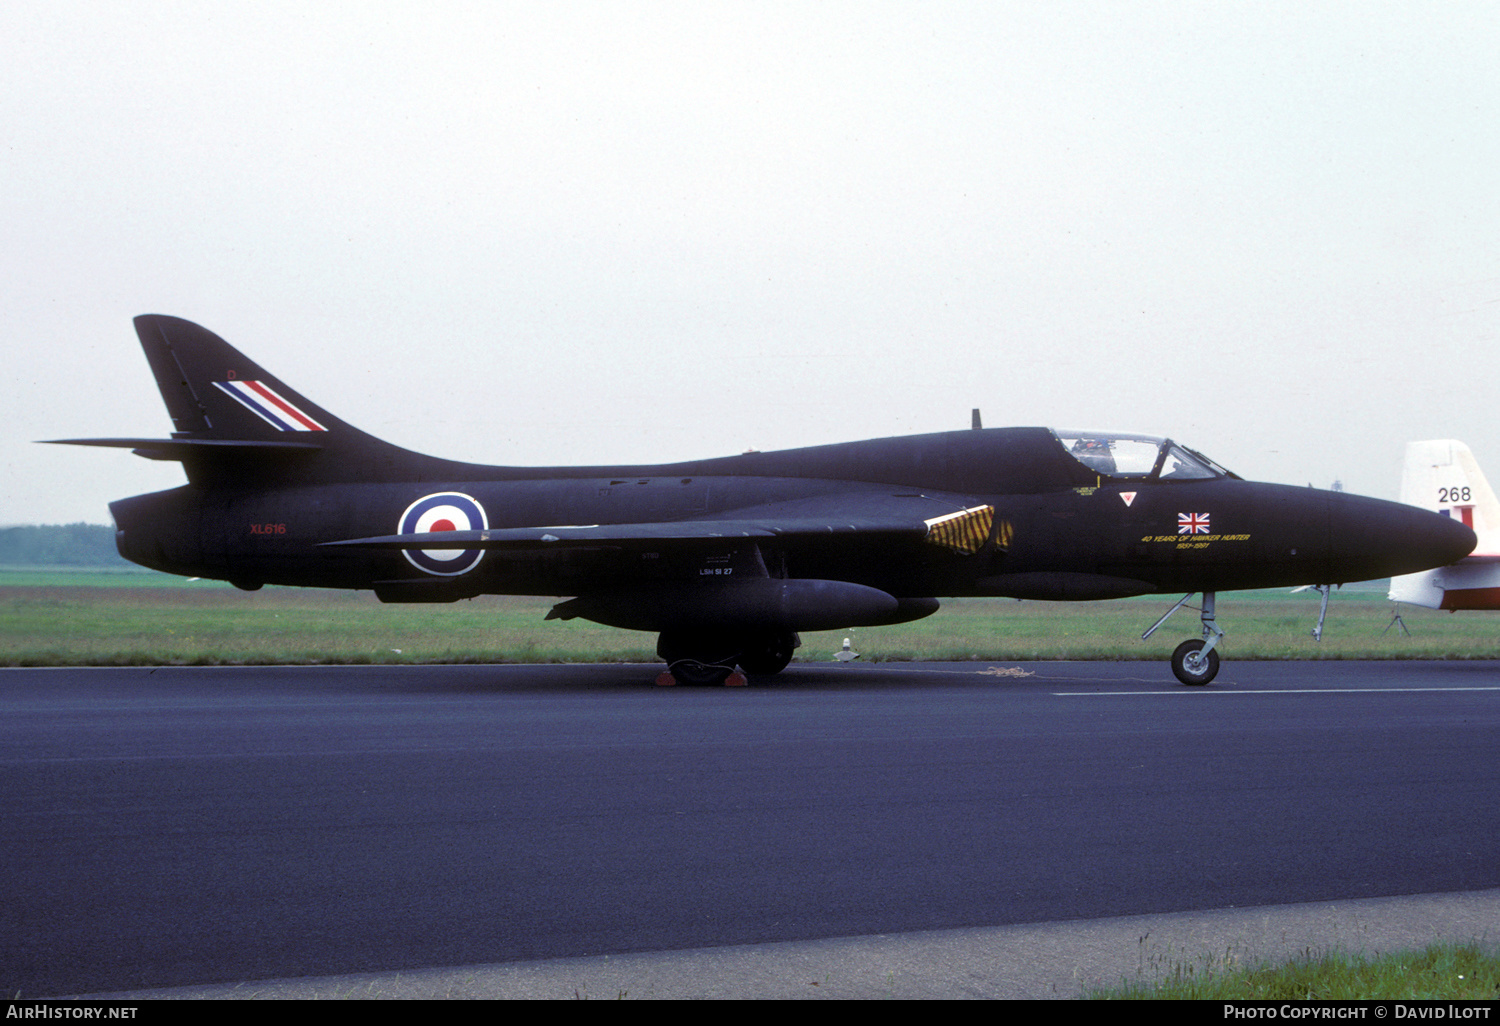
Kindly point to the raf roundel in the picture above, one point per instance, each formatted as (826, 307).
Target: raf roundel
(443, 511)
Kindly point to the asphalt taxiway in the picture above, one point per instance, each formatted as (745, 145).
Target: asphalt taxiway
(929, 829)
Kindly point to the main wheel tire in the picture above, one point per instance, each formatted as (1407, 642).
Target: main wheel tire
(698, 658)
(1191, 666)
(769, 655)
(691, 671)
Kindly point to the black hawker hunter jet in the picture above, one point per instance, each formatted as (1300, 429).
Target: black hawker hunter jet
(727, 559)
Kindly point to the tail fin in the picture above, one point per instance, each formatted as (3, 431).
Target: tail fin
(1442, 475)
(231, 415)
(212, 390)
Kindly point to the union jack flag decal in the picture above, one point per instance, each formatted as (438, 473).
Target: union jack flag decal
(1192, 523)
(269, 405)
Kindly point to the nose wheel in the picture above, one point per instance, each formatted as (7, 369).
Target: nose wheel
(1192, 665)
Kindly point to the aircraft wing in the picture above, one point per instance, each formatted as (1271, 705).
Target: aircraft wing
(594, 535)
(961, 529)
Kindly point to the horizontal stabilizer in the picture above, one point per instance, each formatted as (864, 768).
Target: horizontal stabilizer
(185, 448)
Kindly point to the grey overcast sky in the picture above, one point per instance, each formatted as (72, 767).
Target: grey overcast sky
(559, 233)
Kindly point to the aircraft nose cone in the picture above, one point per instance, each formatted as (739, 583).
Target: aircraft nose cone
(1387, 539)
(1443, 540)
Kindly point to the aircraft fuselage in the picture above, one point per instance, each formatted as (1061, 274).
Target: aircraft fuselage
(1060, 534)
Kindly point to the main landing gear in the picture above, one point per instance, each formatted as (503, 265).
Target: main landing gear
(1195, 662)
(711, 657)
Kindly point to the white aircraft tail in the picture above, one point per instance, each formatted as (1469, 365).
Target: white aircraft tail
(1442, 475)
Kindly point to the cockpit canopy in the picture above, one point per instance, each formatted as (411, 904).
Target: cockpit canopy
(1138, 457)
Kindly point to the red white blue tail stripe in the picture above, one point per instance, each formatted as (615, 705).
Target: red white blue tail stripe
(264, 401)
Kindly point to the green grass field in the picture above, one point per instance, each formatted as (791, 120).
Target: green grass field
(1440, 972)
(140, 618)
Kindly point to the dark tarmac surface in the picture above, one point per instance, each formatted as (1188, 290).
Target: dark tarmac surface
(896, 830)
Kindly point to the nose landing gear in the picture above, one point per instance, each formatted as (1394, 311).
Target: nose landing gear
(1195, 663)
